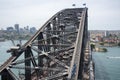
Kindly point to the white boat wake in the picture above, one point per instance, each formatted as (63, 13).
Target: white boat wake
(108, 57)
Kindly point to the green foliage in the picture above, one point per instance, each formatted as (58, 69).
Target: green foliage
(104, 50)
(111, 43)
(101, 43)
(119, 44)
(92, 46)
(27, 37)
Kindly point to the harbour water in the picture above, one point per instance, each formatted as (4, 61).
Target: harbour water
(4, 46)
(107, 65)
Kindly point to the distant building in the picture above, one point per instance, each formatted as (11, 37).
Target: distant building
(33, 30)
(115, 32)
(16, 28)
(94, 33)
(106, 33)
(10, 29)
(27, 28)
(21, 30)
(1, 33)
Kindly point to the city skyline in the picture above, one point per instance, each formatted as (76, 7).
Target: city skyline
(102, 14)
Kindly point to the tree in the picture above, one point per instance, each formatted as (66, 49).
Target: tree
(101, 43)
(92, 46)
(104, 49)
(119, 44)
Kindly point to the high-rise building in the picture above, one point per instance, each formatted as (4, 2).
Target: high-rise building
(16, 27)
(106, 33)
(33, 30)
(27, 27)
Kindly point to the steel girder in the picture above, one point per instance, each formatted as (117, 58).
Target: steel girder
(56, 49)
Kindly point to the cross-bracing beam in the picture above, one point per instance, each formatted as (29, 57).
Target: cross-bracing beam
(55, 49)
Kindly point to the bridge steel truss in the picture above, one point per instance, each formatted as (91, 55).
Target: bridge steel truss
(55, 52)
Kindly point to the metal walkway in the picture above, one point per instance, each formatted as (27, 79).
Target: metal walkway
(55, 52)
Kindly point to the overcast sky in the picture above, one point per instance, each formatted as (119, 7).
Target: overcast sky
(102, 14)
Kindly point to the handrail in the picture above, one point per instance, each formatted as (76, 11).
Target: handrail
(77, 52)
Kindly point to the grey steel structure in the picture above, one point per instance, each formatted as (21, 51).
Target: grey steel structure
(55, 52)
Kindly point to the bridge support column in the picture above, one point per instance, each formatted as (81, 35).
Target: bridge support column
(27, 63)
(6, 76)
(40, 61)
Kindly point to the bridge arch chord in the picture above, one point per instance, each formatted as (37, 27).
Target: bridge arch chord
(54, 51)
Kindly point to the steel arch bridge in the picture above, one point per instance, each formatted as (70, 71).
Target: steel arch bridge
(59, 50)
